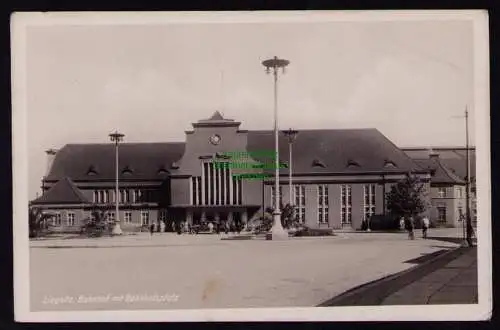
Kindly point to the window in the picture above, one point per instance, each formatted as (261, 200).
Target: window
(346, 204)
(441, 192)
(144, 218)
(128, 217)
(460, 193)
(369, 201)
(460, 213)
(101, 196)
(323, 203)
(95, 197)
(70, 219)
(162, 216)
(300, 203)
(441, 214)
(111, 216)
(57, 219)
(273, 196)
(137, 196)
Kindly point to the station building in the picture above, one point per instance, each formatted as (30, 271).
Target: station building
(340, 177)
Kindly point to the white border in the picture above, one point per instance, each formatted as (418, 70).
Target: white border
(481, 311)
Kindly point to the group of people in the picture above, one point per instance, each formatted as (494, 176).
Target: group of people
(409, 225)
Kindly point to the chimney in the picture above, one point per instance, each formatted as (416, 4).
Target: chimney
(51, 154)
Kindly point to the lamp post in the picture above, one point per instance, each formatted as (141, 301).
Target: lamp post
(273, 65)
(116, 138)
(467, 183)
(468, 221)
(291, 135)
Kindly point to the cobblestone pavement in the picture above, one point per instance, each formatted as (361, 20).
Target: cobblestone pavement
(168, 271)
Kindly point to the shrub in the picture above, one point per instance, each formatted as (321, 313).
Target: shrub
(305, 231)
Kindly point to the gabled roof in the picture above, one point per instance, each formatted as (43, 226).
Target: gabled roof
(216, 120)
(441, 174)
(144, 160)
(63, 192)
(335, 148)
(454, 158)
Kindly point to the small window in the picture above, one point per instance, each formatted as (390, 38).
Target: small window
(127, 170)
(389, 164)
(352, 163)
(91, 170)
(174, 166)
(318, 163)
(162, 171)
(441, 192)
(128, 217)
(144, 218)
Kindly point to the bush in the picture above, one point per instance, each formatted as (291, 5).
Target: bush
(305, 231)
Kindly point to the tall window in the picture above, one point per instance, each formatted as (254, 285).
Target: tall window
(137, 196)
(273, 198)
(441, 214)
(162, 216)
(346, 204)
(57, 219)
(111, 216)
(460, 192)
(300, 202)
(323, 203)
(70, 219)
(128, 217)
(369, 201)
(215, 186)
(101, 196)
(442, 192)
(144, 218)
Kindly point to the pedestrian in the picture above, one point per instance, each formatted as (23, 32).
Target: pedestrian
(210, 227)
(402, 224)
(411, 227)
(227, 228)
(425, 226)
(151, 229)
(162, 226)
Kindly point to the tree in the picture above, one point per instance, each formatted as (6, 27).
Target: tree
(98, 223)
(407, 197)
(37, 221)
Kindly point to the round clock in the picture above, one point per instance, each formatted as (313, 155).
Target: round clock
(215, 139)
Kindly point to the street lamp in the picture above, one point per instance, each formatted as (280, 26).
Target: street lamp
(291, 136)
(116, 138)
(273, 65)
(468, 219)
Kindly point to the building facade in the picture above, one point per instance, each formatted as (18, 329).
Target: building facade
(340, 178)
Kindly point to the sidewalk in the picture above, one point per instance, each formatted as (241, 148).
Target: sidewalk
(449, 278)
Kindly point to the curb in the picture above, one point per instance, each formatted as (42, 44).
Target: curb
(374, 292)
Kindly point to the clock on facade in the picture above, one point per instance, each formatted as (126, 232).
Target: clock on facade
(215, 139)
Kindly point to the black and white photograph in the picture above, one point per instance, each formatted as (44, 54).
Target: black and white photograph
(251, 166)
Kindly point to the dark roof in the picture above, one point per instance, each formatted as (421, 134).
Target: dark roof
(441, 174)
(315, 151)
(339, 150)
(454, 158)
(63, 192)
(138, 161)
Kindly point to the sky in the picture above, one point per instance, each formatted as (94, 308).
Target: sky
(409, 79)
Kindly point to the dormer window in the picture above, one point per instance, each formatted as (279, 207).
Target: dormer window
(92, 170)
(352, 163)
(127, 170)
(162, 171)
(318, 163)
(389, 164)
(174, 166)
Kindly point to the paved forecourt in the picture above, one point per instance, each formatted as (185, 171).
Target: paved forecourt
(169, 271)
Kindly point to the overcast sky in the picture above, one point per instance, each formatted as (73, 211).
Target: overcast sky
(407, 79)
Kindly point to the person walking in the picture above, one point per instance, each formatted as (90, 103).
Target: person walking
(411, 234)
(151, 229)
(402, 223)
(425, 226)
